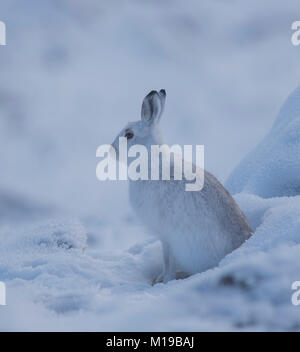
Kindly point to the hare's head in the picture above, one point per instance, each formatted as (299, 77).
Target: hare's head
(146, 130)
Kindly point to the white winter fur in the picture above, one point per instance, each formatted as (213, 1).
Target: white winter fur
(197, 229)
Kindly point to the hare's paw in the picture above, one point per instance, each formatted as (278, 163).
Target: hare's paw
(158, 279)
(163, 278)
(181, 275)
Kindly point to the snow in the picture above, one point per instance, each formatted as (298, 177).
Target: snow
(72, 255)
(52, 274)
(272, 168)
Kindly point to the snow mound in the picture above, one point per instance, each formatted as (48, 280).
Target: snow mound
(273, 167)
(49, 263)
(62, 284)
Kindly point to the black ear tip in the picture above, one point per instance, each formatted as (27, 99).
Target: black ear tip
(163, 92)
(153, 92)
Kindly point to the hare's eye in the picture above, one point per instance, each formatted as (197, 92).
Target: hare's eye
(129, 134)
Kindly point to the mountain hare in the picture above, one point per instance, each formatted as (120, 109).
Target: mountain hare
(197, 229)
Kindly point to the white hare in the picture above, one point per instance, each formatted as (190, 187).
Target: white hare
(197, 229)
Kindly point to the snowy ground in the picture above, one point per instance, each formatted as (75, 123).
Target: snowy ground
(55, 281)
(73, 73)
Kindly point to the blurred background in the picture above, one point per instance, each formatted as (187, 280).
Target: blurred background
(74, 72)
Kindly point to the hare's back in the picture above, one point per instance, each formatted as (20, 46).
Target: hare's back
(228, 212)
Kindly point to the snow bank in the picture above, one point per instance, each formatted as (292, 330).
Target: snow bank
(47, 266)
(51, 272)
(273, 167)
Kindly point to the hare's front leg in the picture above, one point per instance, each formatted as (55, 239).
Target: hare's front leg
(169, 267)
(169, 272)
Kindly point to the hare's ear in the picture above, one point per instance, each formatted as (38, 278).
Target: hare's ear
(162, 94)
(152, 107)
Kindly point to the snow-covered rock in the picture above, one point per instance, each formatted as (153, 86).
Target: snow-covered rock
(273, 167)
